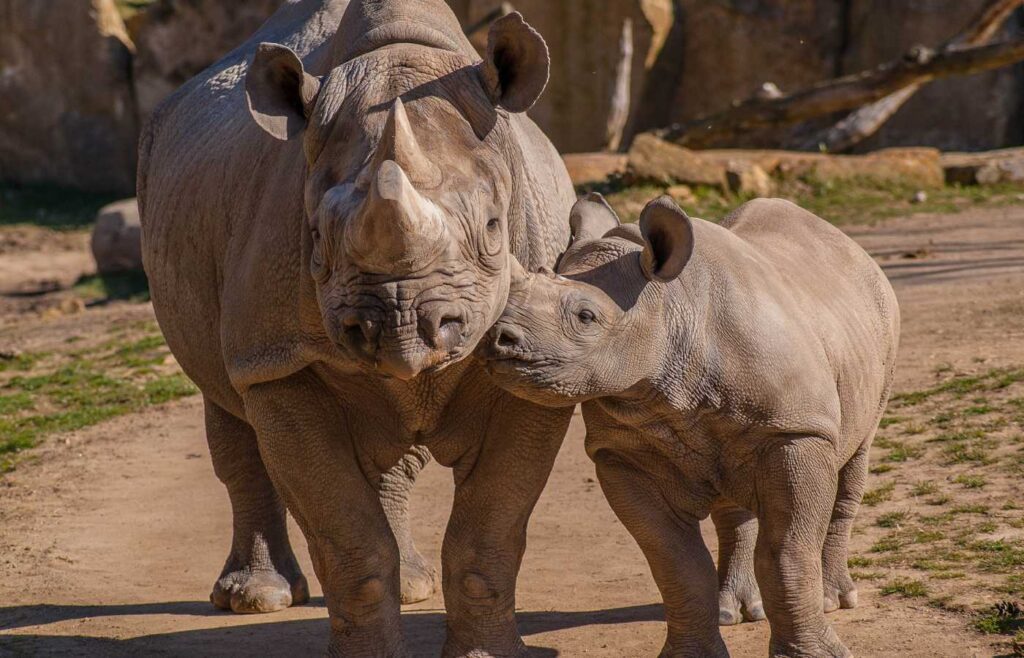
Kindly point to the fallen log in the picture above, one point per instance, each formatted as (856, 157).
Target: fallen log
(866, 121)
(919, 66)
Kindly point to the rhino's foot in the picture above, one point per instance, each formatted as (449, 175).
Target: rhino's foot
(451, 650)
(739, 605)
(419, 580)
(840, 597)
(828, 646)
(259, 591)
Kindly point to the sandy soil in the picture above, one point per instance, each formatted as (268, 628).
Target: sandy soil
(111, 537)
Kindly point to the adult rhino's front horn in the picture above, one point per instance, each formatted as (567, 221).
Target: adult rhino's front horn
(397, 230)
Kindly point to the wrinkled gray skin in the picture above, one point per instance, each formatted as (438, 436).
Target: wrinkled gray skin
(741, 366)
(329, 218)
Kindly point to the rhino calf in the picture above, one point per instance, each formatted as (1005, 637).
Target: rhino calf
(747, 363)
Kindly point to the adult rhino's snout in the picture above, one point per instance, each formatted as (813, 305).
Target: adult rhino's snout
(405, 344)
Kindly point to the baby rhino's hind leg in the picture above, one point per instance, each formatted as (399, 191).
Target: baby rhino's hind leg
(739, 599)
(796, 487)
(261, 573)
(840, 591)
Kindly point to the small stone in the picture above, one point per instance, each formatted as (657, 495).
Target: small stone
(748, 179)
(683, 194)
(919, 197)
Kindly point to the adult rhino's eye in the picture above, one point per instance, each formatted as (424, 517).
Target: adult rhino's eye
(493, 224)
(586, 316)
(316, 235)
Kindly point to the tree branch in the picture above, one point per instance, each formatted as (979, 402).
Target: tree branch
(917, 67)
(867, 120)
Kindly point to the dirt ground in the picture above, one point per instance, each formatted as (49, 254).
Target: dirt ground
(111, 536)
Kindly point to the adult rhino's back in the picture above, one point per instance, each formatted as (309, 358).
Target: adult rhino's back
(204, 174)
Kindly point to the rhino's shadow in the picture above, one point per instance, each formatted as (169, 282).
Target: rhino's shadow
(424, 631)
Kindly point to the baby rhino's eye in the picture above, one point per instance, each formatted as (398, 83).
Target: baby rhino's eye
(586, 316)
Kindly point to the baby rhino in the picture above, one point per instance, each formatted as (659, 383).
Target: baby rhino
(746, 363)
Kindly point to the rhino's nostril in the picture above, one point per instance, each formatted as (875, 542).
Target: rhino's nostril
(509, 337)
(442, 329)
(361, 332)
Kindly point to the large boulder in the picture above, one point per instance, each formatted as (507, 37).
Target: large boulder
(176, 39)
(117, 238)
(982, 111)
(750, 171)
(988, 168)
(601, 53)
(67, 114)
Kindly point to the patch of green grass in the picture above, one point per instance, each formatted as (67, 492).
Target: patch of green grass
(49, 206)
(11, 404)
(891, 519)
(901, 452)
(962, 453)
(879, 494)
(941, 499)
(854, 200)
(1000, 619)
(924, 488)
(858, 561)
(971, 509)
(907, 588)
(879, 469)
(128, 286)
(971, 481)
(84, 388)
(891, 420)
(887, 544)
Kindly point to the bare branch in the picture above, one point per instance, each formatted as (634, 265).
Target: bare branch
(867, 120)
(918, 67)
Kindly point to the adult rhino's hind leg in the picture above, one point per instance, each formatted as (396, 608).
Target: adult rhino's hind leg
(419, 578)
(840, 590)
(261, 573)
(739, 598)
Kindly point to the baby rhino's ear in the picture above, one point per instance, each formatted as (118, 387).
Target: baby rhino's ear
(592, 217)
(668, 239)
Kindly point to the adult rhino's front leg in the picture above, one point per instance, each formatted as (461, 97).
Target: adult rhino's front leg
(419, 578)
(314, 466)
(497, 485)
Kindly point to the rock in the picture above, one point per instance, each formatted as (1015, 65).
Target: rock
(117, 238)
(974, 112)
(917, 167)
(748, 179)
(590, 94)
(67, 114)
(594, 167)
(656, 160)
(683, 194)
(989, 168)
(176, 39)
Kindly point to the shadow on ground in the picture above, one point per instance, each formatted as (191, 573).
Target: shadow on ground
(424, 631)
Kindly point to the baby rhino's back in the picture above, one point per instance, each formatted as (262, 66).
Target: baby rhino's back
(833, 289)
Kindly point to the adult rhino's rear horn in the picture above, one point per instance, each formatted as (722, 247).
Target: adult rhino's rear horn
(397, 230)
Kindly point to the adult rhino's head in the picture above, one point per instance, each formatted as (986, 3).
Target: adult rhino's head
(409, 189)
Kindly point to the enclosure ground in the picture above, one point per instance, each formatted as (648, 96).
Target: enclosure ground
(111, 535)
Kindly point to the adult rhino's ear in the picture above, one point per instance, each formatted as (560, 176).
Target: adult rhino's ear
(668, 239)
(279, 92)
(516, 67)
(592, 217)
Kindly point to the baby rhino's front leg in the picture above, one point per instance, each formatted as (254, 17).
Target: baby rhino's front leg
(679, 560)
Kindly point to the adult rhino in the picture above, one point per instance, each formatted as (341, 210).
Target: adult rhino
(329, 215)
